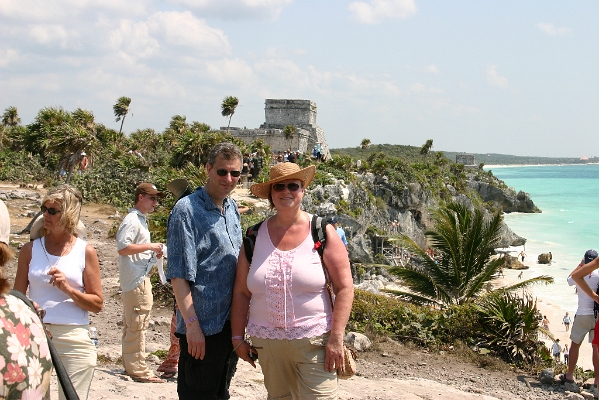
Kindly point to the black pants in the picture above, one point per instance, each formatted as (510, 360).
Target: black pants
(210, 378)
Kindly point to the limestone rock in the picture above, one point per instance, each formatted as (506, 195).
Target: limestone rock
(544, 258)
(358, 341)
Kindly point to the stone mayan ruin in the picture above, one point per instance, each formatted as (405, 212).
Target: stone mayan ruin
(279, 113)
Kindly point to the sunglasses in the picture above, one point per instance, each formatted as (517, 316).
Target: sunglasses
(224, 172)
(51, 211)
(153, 198)
(279, 187)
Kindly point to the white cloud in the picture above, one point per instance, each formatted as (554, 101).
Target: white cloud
(551, 30)
(236, 9)
(376, 10)
(8, 56)
(494, 78)
(164, 31)
(419, 88)
(432, 69)
(51, 34)
(234, 71)
(183, 29)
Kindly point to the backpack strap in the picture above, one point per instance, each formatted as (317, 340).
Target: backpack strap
(249, 240)
(319, 233)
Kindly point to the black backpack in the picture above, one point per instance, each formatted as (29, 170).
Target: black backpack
(319, 235)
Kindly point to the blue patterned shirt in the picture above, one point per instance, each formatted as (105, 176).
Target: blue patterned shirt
(203, 246)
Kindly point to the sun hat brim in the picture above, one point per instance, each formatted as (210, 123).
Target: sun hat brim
(283, 172)
(179, 188)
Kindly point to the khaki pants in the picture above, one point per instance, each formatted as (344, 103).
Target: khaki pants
(294, 369)
(78, 355)
(137, 304)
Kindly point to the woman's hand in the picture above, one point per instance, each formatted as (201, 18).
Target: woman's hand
(334, 354)
(59, 280)
(243, 349)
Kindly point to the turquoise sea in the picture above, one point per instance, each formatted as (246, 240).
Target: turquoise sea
(568, 196)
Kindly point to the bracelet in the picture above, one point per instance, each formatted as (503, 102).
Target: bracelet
(238, 344)
(237, 338)
(190, 320)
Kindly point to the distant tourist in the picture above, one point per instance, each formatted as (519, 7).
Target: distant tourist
(566, 321)
(556, 349)
(585, 276)
(545, 322)
(522, 255)
(520, 274)
(566, 354)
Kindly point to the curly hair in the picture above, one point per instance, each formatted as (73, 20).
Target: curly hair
(70, 200)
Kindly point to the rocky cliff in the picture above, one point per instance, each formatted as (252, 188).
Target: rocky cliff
(370, 209)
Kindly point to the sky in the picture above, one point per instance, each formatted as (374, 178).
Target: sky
(505, 76)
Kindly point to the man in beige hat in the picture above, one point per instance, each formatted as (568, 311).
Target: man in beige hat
(137, 256)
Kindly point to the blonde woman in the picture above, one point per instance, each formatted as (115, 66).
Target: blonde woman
(62, 273)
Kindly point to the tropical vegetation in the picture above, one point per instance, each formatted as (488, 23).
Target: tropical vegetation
(463, 310)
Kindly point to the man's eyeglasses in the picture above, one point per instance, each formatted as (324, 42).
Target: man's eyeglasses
(153, 198)
(224, 172)
(279, 187)
(51, 211)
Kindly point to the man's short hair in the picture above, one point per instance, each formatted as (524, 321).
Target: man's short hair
(226, 150)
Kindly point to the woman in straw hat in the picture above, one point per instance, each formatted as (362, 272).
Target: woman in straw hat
(281, 296)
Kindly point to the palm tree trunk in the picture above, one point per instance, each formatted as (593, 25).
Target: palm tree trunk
(122, 122)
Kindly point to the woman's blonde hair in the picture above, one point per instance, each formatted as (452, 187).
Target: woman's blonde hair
(6, 254)
(70, 200)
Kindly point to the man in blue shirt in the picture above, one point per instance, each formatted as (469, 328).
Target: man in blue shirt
(204, 238)
(340, 231)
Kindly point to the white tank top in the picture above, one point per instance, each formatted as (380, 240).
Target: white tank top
(60, 308)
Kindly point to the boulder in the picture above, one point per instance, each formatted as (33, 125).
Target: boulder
(358, 341)
(544, 258)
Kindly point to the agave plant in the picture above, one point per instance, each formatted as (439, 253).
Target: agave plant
(465, 240)
(510, 325)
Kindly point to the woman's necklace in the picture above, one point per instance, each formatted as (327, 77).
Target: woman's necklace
(64, 251)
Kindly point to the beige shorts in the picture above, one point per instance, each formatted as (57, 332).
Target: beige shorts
(582, 325)
(294, 369)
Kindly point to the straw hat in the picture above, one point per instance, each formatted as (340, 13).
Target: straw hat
(179, 188)
(282, 172)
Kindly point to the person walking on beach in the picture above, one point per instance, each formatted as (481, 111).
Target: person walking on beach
(584, 319)
(522, 255)
(520, 274)
(204, 239)
(556, 349)
(545, 322)
(566, 354)
(137, 256)
(566, 321)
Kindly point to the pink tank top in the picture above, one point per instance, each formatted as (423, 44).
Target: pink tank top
(289, 298)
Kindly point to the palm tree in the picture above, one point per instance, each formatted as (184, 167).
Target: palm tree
(228, 107)
(11, 117)
(121, 109)
(426, 147)
(364, 144)
(465, 241)
(289, 132)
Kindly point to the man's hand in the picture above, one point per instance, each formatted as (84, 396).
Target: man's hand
(196, 341)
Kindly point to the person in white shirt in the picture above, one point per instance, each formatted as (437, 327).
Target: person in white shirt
(137, 256)
(584, 320)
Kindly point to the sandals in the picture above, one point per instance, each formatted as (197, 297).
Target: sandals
(168, 375)
(563, 379)
(152, 379)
